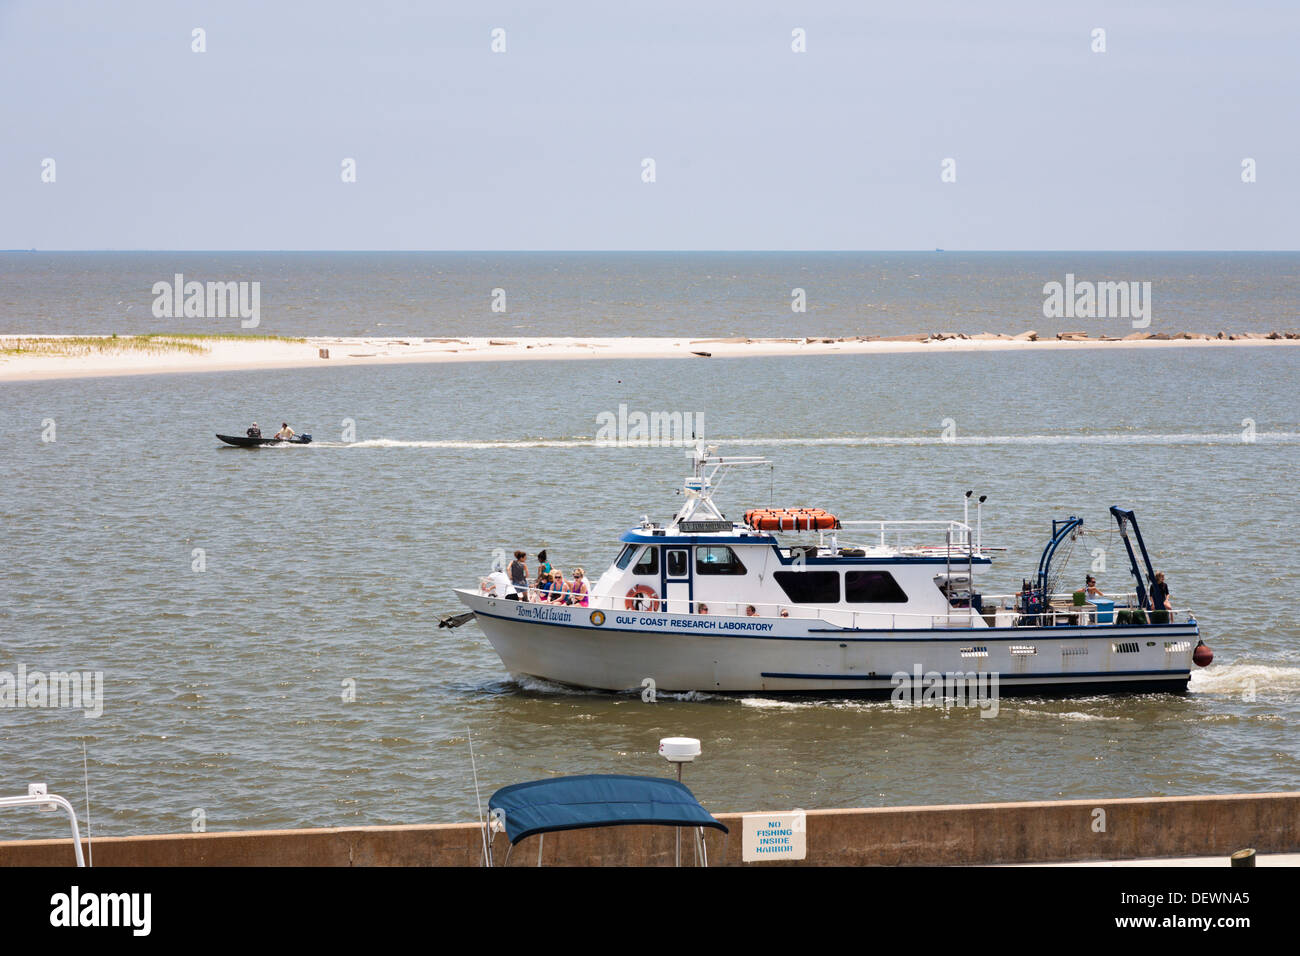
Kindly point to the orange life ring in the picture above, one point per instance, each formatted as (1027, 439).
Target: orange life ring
(642, 598)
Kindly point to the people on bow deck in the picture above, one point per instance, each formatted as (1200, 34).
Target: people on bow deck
(254, 431)
(1160, 604)
(285, 432)
(577, 592)
(543, 563)
(557, 587)
(519, 573)
(498, 585)
(542, 586)
(1090, 587)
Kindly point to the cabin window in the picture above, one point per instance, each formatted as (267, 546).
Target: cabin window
(625, 558)
(810, 587)
(717, 560)
(678, 564)
(648, 563)
(872, 587)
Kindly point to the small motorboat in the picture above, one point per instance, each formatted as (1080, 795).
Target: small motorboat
(243, 441)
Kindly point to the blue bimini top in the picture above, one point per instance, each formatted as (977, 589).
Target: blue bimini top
(597, 800)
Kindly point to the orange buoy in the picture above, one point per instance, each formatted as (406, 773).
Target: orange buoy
(641, 598)
(1202, 656)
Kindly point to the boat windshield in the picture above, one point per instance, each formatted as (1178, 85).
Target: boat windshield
(648, 563)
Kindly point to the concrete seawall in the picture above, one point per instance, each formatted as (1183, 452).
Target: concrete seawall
(976, 834)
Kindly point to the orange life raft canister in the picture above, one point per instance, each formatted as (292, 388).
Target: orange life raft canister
(791, 519)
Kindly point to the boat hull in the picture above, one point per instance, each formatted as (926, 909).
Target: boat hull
(680, 653)
(243, 441)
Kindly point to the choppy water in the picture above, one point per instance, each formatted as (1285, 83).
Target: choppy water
(331, 562)
(658, 293)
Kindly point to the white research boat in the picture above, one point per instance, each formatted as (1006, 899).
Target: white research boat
(710, 604)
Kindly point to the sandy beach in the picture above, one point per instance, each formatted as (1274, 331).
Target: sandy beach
(217, 354)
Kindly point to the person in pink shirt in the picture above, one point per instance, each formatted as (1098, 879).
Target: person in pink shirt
(578, 589)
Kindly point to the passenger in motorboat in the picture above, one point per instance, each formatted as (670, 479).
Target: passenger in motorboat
(254, 431)
(285, 432)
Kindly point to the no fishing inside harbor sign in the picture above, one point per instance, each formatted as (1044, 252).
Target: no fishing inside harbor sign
(774, 836)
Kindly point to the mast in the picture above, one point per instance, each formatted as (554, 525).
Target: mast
(707, 472)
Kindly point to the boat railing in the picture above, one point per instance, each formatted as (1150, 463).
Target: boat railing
(958, 536)
(998, 610)
(49, 801)
(1062, 609)
(838, 617)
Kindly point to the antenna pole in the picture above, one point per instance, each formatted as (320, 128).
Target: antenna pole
(487, 852)
(85, 776)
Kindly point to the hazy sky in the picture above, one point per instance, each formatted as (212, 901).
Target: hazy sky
(755, 146)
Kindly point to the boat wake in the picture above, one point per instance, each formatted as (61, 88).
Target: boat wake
(536, 685)
(1265, 680)
(1099, 438)
(831, 703)
(1069, 715)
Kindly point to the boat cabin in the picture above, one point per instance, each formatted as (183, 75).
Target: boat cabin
(746, 572)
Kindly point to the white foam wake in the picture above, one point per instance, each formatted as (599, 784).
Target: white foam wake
(1264, 680)
(1101, 438)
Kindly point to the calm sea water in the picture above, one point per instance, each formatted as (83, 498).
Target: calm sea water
(669, 293)
(330, 563)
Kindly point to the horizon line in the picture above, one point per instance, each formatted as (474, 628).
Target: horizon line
(681, 251)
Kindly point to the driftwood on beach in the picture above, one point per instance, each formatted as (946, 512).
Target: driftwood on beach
(26, 357)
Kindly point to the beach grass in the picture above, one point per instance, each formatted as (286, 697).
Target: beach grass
(152, 343)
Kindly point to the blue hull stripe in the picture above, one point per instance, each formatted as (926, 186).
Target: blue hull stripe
(1002, 675)
(1074, 630)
